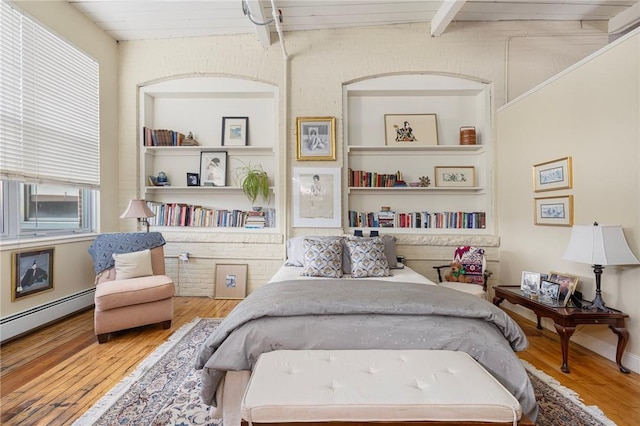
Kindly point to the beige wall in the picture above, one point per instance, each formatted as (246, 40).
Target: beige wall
(591, 113)
(73, 270)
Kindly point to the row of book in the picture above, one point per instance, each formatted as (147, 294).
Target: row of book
(361, 178)
(390, 219)
(162, 137)
(179, 214)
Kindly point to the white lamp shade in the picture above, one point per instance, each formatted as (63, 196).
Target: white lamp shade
(137, 209)
(599, 245)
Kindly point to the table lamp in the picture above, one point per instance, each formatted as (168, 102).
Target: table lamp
(599, 245)
(139, 210)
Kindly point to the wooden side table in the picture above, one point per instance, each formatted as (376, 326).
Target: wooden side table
(566, 319)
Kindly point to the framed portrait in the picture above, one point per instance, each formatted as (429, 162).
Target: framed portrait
(455, 176)
(193, 179)
(530, 283)
(549, 292)
(213, 168)
(551, 175)
(567, 285)
(32, 272)
(235, 131)
(316, 197)
(231, 281)
(411, 129)
(554, 211)
(316, 138)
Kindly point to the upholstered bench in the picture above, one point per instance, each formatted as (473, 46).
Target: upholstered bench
(390, 386)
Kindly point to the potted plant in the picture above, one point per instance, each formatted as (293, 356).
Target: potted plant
(254, 182)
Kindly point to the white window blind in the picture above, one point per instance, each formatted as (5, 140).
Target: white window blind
(49, 112)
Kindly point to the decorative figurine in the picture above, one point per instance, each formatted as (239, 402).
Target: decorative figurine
(424, 181)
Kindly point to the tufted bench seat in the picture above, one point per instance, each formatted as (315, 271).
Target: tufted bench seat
(390, 386)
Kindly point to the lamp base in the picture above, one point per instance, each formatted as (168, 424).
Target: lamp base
(597, 304)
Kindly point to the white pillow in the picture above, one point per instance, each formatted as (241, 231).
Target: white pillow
(133, 265)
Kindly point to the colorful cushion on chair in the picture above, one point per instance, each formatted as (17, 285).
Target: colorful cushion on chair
(472, 261)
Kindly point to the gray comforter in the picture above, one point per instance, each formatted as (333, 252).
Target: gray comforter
(365, 314)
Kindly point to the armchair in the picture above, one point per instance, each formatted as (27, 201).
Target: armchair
(133, 290)
(467, 272)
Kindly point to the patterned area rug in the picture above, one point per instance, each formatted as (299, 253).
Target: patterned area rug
(164, 390)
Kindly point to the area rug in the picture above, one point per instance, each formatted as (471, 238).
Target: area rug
(164, 390)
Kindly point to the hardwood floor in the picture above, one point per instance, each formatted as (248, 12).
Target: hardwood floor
(51, 376)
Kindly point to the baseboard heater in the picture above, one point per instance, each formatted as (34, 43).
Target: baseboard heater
(22, 322)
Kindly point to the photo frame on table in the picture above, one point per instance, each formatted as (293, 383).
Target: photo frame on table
(193, 179)
(316, 138)
(553, 211)
(32, 272)
(549, 292)
(316, 197)
(567, 283)
(553, 175)
(411, 129)
(530, 283)
(213, 168)
(235, 131)
(231, 281)
(455, 176)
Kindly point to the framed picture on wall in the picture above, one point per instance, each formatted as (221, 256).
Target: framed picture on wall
(552, 175)
(213, 168)
(316, 138)
(235, 131)
(554, 211)
(32, 272)
(411, 129)
(316, 197)
(231, 281)
(455, 176)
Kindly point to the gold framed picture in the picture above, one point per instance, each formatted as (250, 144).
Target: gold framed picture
(553, 211)
(552, 175)
(231, 281)
(316, 138)
(32, 272)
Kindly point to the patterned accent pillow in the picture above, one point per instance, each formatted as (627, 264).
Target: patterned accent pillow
(367, 258)
(389, 252)
(322, 258)
(472, 260)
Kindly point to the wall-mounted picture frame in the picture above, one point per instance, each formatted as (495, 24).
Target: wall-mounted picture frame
(553, 175)
(32, 272)
(193, 179)
(553, 211)
(411, 129)
(567, 283)
(530, 283)
(235, 131)
(231, 281)
(316, 197)
(213, 168)
(316, 138)
(455, 176)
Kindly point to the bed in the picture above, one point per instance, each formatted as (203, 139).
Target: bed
(399, 310)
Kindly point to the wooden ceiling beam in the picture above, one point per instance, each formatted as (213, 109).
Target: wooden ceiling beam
(258, 15)
(444, 16)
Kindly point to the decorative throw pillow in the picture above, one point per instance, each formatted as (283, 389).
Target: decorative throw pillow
(367, 258)
(295, 248)
(389, 251)
(322, 258)
(133, 265)
(472, 262)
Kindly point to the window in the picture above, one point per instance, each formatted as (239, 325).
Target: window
(49, 127)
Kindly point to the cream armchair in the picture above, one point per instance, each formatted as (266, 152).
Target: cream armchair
(134, 291)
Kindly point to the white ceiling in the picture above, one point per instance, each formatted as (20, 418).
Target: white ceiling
(155, 19)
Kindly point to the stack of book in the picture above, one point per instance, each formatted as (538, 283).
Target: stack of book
(255, 220)
(162, 137)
